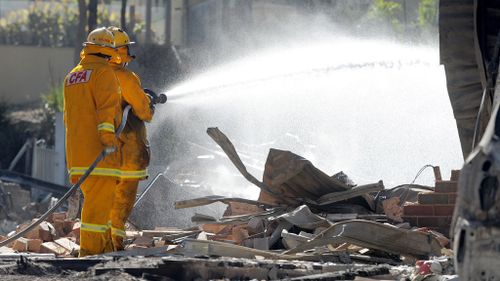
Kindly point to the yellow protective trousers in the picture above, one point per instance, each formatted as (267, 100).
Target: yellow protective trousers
(95, 231)
(125, 195)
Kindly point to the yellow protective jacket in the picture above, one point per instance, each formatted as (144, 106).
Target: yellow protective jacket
(92, 111)
(135, 148)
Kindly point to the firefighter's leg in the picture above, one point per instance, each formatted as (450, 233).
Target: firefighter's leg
(125, 195)
(95, 231)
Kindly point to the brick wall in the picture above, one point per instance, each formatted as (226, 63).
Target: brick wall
(434, 210)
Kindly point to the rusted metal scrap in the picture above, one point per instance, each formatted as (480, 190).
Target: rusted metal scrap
(292, 180)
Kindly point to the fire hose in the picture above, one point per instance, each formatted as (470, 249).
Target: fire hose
(155, 99)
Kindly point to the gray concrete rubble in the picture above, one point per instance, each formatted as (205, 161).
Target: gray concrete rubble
(305, 225)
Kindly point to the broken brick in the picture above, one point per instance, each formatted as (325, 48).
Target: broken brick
(47, 232)
(59, 228)
(53, 248)
(57, 217)
(6, 250)
(34, 245)
(437, 173)
(67, 244)
(446, 186)
(20, 245)
(76, 231)
(32, 234)
(392, 209)
(68, 226)
(239, 233)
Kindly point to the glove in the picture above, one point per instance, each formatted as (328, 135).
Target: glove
(110, 142)
(151, 95)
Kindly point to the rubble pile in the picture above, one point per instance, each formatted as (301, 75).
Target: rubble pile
(302, 219)
(17, 206)
(58, 236)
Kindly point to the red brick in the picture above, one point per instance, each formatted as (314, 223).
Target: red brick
(452, 199)
(20, 245)
(446, 186)
(418, 210)
(413, 221)
(76, 232)
(57, 217)
(59, 227)
(47, 232)
(444, 210)
(68, 226)
(437, 173)
(455, 174)
(434, 221)
(434, 198)
(34, 245)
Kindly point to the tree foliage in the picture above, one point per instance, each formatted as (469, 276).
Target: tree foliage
(51, 24)
(428, 13)
(387, 13)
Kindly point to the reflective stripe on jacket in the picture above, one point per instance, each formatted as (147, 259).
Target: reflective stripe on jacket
(135, 148)
(92, 112)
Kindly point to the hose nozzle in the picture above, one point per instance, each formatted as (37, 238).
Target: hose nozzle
(155, 98)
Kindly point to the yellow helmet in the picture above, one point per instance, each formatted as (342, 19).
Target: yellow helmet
(121, 37)
(122, 42)
(100, 37)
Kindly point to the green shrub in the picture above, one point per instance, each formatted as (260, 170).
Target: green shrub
(428, 14)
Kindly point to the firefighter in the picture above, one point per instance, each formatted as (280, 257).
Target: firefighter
(135, 144)
(92, 111)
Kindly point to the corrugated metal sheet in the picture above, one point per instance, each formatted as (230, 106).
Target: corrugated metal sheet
(44, 164)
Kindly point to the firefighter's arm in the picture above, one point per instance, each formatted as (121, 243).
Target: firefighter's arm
(134, 95)
(107, 101)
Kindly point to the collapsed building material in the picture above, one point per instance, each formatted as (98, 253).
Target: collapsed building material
(304, 218)
(202, 201)
(393, 209)
(239, 218)
(33, 183)
(334, 197)
(292, 180)
(378, 236)
(194, 248)
(184, 268)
